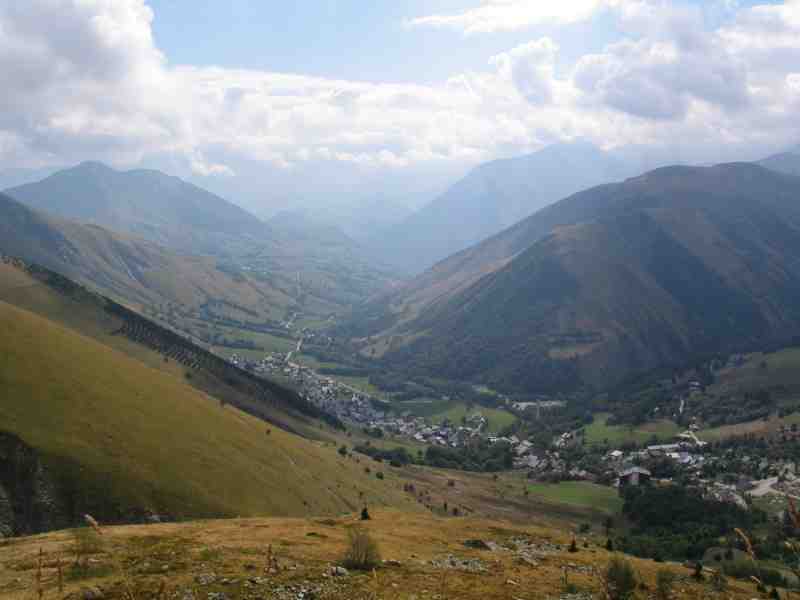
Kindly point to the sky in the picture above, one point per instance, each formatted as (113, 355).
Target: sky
(321, 102)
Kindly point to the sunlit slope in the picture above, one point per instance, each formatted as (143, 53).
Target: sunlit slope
(56, 298)
(129, 438)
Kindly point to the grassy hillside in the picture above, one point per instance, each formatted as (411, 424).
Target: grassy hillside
(128, 436)
(56, 298)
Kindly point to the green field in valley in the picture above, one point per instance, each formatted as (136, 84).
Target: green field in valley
(579, 493)
(600, 432)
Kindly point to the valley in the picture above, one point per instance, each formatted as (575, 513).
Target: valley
(470, 396)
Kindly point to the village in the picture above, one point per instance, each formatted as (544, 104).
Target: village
(723, 474)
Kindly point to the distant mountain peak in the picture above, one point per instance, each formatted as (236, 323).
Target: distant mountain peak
(93, 165)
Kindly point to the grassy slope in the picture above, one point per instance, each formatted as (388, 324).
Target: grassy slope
(146, 439)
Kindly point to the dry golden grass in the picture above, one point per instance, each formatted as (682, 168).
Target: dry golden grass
(165, 560)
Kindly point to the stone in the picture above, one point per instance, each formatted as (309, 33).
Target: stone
(339, 572)
(92, 593)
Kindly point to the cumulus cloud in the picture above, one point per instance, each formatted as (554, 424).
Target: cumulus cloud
(84, 79)
(531, 67)
(510, 15)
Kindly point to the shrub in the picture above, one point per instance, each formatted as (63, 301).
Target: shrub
(665, 582)
(365, 514)
(362, 551)
(343, 450)
(718, 581)
(619, 579)
(379, 474)
(86, 541)
(745, 569)
(610, 545)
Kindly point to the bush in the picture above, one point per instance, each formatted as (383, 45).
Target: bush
(665, 582)
(718, 581)
(362, 551)
(619, 579)
(85, 541)
(745, 569)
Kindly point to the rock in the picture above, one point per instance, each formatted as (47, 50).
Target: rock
(511, 582)
(392, 563)
(477, 545)
(92, 593)
(206, 579)
(339, 572)
(217, 596)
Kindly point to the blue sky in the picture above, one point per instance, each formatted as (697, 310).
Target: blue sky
(357, 39)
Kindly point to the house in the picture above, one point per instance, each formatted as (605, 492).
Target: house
(634, 476)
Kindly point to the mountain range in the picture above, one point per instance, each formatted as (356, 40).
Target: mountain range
(185, 220)
(610, 282)
(492, 197)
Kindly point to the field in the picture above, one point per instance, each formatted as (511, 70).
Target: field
(439, 410)
(579, 493)
(759, 427)
(211, 558)
(600, 432)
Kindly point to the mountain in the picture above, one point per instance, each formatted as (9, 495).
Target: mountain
(784, 162)
(492, 197)
(302, 228)
(20, 176)
(106, 413)
(608, 283)
(138, 272)
(186, 219)
(145, 203)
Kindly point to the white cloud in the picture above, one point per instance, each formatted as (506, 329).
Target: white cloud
(510, 15)
(531, 67)
(84, 79)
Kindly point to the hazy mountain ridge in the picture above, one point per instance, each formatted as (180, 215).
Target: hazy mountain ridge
(142, 202)
(189, 220)
(492, 197)
(619, 279)
(134, 270)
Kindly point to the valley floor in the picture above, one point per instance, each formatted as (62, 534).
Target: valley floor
(424, 556)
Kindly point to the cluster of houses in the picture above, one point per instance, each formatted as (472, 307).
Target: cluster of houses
(687, 453)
